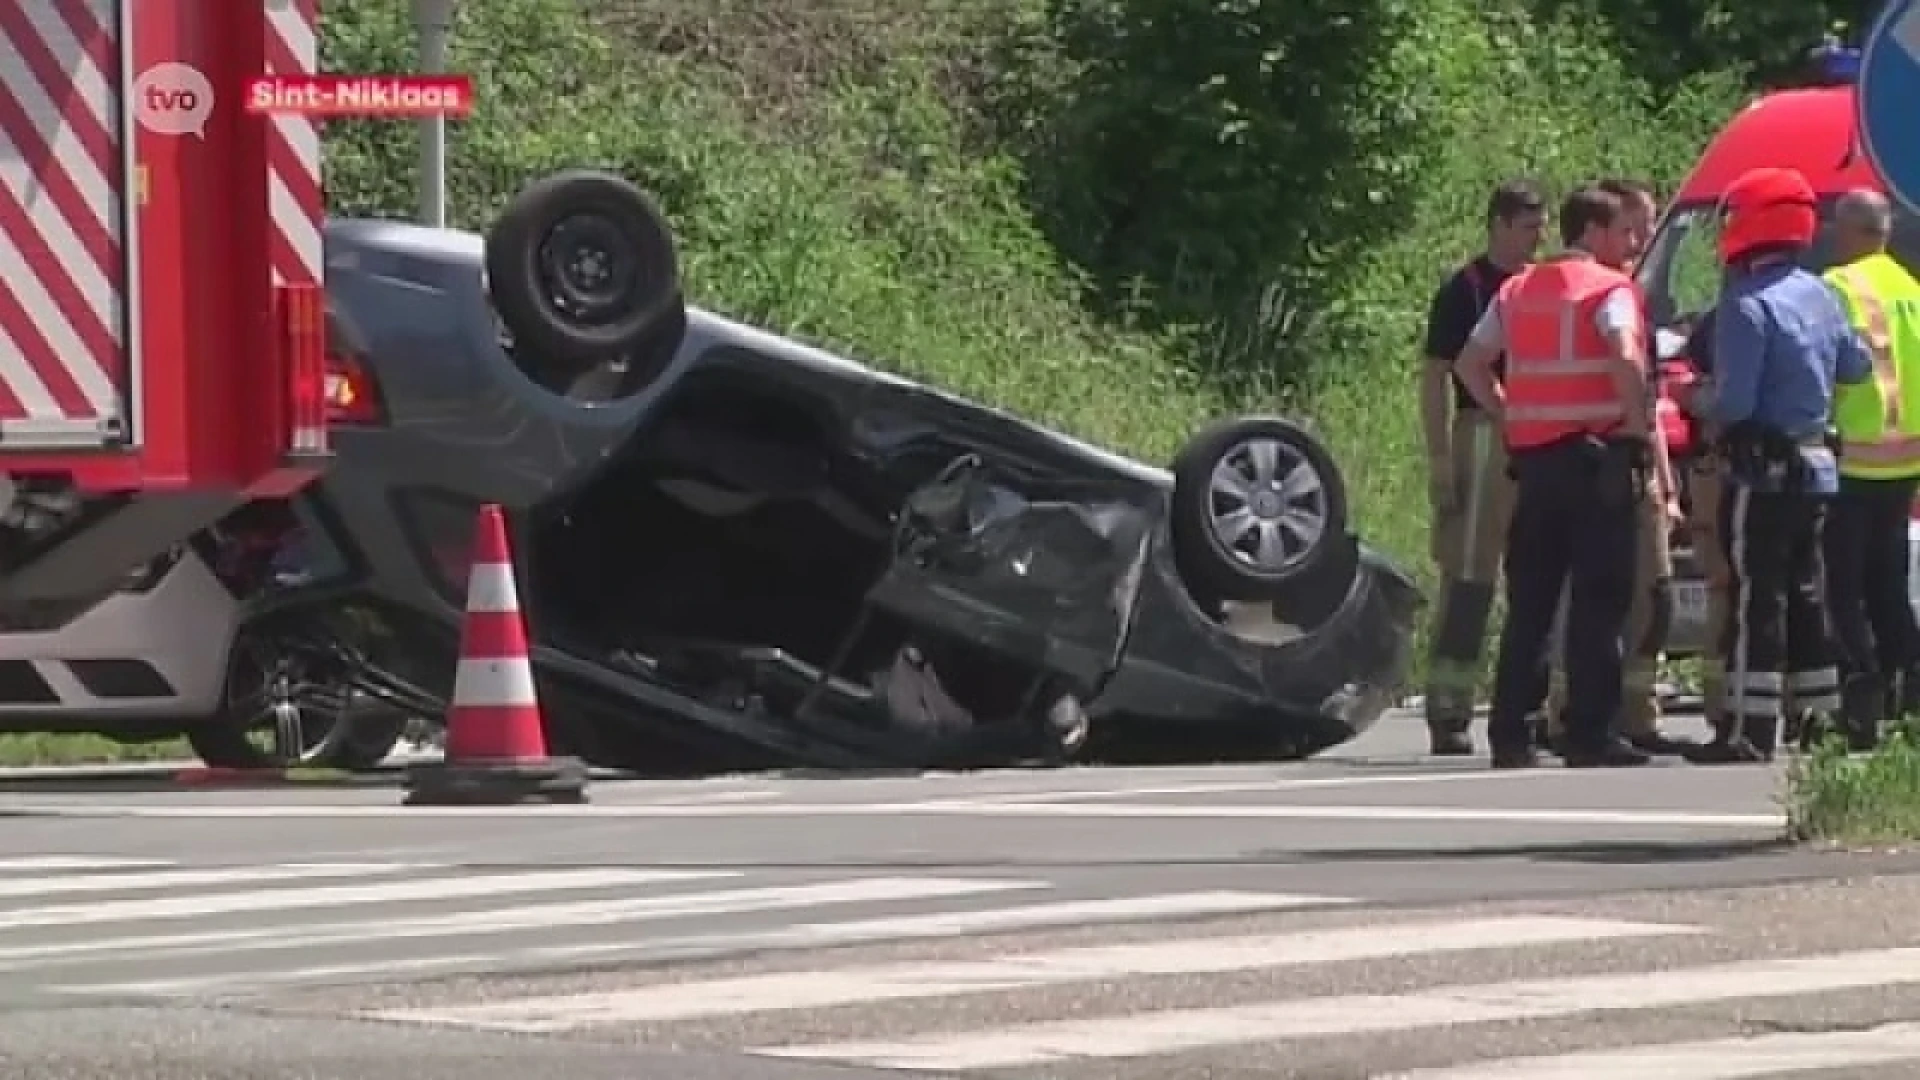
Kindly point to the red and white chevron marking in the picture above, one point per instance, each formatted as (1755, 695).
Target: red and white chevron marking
(293, 148)
(61, 229)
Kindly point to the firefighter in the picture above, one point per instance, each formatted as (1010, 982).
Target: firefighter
(1879, 424)
(1469, 493)
(1650, 613)
(1576, 417)
(1705, 482)
(1781, 341)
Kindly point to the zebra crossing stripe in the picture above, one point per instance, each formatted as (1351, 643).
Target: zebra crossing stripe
(1746, 1058)
(17, 888)
(900, 982)
(56, 864)
(517, 919)
(1185, 1030)
(201, 905)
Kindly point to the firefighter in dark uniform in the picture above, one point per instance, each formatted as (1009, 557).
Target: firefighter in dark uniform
(1468, 491)
(1576, 416)
(1781, 340)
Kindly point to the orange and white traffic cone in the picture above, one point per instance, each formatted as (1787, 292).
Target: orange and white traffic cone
(496, 746)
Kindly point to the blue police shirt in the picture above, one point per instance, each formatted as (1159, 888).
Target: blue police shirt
(1781, 339)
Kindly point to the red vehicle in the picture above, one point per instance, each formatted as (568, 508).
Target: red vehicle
(163, 350)
(1812, 129)
(163, 356)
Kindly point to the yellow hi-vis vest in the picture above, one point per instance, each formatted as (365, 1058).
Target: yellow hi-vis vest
(1879, 419)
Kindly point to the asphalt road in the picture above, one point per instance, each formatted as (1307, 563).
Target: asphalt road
(1336, 918)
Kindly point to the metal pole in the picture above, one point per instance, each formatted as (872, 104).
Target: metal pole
(434, 21)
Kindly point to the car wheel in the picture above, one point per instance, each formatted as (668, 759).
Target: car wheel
(1258, 505)
(581, 267)
(1061, 728)
(277, 712)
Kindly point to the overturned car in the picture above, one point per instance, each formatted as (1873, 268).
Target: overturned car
(738, 551)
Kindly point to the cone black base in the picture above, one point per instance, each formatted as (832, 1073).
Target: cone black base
(508, 783)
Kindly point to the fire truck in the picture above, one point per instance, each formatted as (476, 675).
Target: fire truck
(163, 355)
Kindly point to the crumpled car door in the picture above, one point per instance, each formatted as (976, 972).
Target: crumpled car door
(1047, 580)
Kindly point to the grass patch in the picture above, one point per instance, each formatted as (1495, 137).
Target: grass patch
(1857, 799)
(21, 751)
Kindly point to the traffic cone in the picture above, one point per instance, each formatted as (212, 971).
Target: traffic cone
(496, 746)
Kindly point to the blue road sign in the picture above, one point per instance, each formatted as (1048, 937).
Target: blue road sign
(1889, 100)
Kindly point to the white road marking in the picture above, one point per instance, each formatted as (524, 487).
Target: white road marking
(1716, 1059)
(1182, 1030)
(398, 968)
(1464, 814)
(113, 882)
(455, 888)
(899, 982)
(538, 916)
(811, 935)
(947, 924)
(1043, 795)
(54, 864)
(1682, 819)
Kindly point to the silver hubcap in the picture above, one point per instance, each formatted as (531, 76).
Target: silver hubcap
(1269, 505)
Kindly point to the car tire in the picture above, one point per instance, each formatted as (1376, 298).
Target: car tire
(356, 734)
(582, 268)
(1240, 479)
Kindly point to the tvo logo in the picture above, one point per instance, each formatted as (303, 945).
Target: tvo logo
(173, 99)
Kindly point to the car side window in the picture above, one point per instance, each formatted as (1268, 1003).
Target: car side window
(1694, 275)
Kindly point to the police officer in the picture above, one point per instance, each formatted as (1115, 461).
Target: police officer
(1576, 416)
(1650, 612)
(1781, 341)
(1879, 425)
(1469, 493)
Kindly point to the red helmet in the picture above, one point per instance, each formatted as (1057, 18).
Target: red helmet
(1767, 208)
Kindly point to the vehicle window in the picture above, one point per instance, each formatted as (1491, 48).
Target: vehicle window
(1690, 262)
(1681, 271)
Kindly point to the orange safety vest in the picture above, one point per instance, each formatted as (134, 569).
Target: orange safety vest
(1558, 380)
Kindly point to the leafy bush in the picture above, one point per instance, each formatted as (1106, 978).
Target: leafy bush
(855, 211)
(1285, 184)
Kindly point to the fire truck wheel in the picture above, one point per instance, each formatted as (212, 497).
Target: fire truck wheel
(582, 267)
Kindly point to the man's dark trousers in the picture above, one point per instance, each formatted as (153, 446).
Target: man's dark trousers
(1780, 639)
(1575, 525)
(1866, 555)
